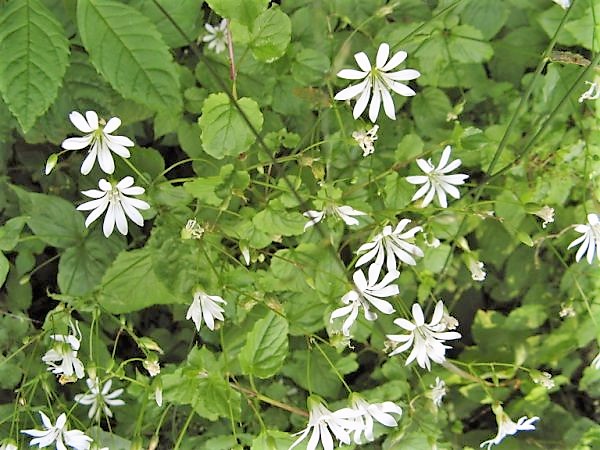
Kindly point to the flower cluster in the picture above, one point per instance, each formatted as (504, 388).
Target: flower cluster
(346, 424)
(113, 196)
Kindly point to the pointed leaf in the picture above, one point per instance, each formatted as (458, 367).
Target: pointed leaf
(266, 346)
(34, 54)
(128, 51)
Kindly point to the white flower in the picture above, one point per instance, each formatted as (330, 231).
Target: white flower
(8, 446)
(428, 339)
(369, 411)
(506, 427)
(346, 213)
(546, 214)
(99, 139)
(323, 422)
(476, 269)
(592, 93)
(563, 3)
(366, 294)
(566, 311)
(158, 395)
(435, 179)
(152, 366)
(391, 246)
(205, 306)
(99, 398)
(438, 391)
(58, 435)
(113, 198)
(217, 36)
(543, 378)
(590, 241)
(365, 139)
(377, 80)
(596, 362)
(62, 357)
(192, 230)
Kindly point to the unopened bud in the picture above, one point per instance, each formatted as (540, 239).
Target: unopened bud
(51, 163)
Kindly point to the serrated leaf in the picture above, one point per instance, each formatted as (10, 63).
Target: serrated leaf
(34, 54)
(128, 51)
(185, 14)
(243, 11)
(310, 66)
(266, 347)
(224, 131)
(271, 34)
(130, 284)
(466, 45)
(488, 16)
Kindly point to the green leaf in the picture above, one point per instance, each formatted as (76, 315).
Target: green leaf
(488, 16)
(466, 45)
(430, 109)
(243, 11)
(271, 34)
(224, 131)
(130, 284)
(10, 233)
(128, 51)
(272, 440)
(185, 14)
(52, 219)
(266, 347)
(4, 266)
(34, 54)
(310, 66)
(279, 222)
(80, 268)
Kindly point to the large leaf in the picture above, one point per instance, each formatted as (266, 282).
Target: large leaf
(52, 219)
(81, 268)
(244, 11)
(33, 59)
(130, 284)
(185, 13)
(271, 34)
(224, 131)
(128, 51)
(266, 346)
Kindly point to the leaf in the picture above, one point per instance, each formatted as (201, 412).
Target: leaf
(279, 222)
(130, 284)
(310, 66)
(52, 219)
(266, 347)
(488, 16)
(128, 51)
(81, 268)
(243, 11)
(224, 131)
(4, 266)
(430, 109)
(10, 233)
(34, 54)
(466, 45)
(271, 34)
(185, 14)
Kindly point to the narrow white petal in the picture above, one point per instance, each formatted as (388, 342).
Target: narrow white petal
(112, 124)
(92, 119)
(382, 55)
(80, 123)
(76, 143)
(396, 60)
(352, 74)
(363, 61)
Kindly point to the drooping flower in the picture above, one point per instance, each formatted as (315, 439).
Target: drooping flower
(476, 269)
(543, 378)
(152, 366)
(192, 230)
(217, 36)
(113, 198)
(58, 435)
(377, 80)
(427, 339)
(322, 423)
(366, 294)
(100, 398)
(589, 242)
(205, 307)
(392, 246)
(365, 139)
(100, 140)
(368, 413)
(546, 214)
(62, 357)
(436, 180)
(346, 213)
(506, 427)
(564, 4)
(438, 391)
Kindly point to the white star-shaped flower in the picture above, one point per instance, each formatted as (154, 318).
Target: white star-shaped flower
(377, 80)
(205, 306)
(323, 423)
(113, 198)
(62, 357)
(346, 213)
(365, 139)
(58, 435)
(589, 242)
(216, 37)
(427, 339)
(100, 140)
(100, 398)
(371, 412)
(391, 246)
(436, 179)
(366, 294)
(438, 391)
(506, 427)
